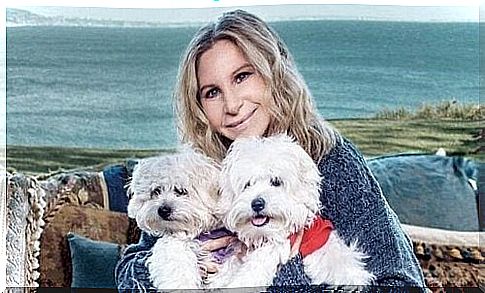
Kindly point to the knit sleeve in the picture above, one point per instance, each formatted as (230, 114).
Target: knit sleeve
(352, 200)
(291, 274)
(131, 273)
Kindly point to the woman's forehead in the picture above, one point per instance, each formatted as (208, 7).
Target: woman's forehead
(222, 58)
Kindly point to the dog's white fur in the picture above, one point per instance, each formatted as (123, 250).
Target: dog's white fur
(280, 172)
(186, 183)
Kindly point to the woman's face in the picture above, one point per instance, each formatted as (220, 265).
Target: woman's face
(232, 93)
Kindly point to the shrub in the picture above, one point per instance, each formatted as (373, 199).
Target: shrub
(446, 109)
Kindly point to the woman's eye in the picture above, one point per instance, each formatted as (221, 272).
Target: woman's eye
(212, 93)
(242, 76)
(180, 191)
(276, 182)
(156, 191)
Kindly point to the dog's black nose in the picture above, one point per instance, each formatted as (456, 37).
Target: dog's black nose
(258, 204)
(164, 212)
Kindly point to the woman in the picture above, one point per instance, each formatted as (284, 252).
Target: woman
(238, 79)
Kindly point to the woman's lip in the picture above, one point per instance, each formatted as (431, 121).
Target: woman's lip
(246, 118)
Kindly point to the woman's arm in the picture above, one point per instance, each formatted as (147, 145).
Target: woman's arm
(353, 201)
(291, 274)
(131, 274)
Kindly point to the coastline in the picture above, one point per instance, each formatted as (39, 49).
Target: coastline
(373, 136)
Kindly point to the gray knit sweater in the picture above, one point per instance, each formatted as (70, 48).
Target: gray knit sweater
(352, 200)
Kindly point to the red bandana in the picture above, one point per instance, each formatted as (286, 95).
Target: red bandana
(314, 236)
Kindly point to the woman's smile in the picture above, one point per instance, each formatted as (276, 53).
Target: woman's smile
(242, 123)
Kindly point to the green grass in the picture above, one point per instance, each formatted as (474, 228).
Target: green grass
(374, 137)
(34, 160)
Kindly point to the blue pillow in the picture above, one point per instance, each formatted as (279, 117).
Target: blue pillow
(93, 262)
(430, 190)
(116, 177)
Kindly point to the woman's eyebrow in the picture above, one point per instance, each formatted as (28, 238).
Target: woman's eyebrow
(206, 86)
(242, 67)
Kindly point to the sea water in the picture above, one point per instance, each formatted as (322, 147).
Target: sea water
(111, 87)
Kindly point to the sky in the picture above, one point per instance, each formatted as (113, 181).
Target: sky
(205, 10)
(270, 13)
(225, 3)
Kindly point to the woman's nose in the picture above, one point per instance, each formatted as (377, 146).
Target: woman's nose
(232, 103)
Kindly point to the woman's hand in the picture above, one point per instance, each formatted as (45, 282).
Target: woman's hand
(209, 246)
(295, 248)
(218, 243)
(211, 266)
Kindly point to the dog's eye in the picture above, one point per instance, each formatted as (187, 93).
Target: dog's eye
(180, 191)
(248, 184)
(275, 181)
(156, 191)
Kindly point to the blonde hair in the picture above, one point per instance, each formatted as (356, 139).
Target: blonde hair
(292, 109)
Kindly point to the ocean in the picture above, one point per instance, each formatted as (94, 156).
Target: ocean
(111, 87)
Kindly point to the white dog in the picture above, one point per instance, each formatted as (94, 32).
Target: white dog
(269, 191)
(174, 197)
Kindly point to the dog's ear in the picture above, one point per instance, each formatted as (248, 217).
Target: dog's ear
(134, 206)
(211, 177)
(130, 166)
(226, 195)
(205, 173)
(309, 175)
(309, 171)
(129, 188)
(226, 184)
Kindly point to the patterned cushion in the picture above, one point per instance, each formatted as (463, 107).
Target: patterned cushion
(25, 208)
(96, 224)
(79, 188)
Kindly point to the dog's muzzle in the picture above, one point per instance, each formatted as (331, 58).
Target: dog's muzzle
(165, 212)
(258, 204)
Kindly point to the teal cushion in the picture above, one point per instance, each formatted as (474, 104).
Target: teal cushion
(429, 190)
(93, 262)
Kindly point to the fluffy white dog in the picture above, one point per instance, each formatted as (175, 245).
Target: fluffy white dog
(269, 191)
(174, 197)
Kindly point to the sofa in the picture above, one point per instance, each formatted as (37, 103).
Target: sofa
(69, 229)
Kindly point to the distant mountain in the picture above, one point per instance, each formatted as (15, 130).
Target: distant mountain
(16, 17)
(19, 17)
(111, 17)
